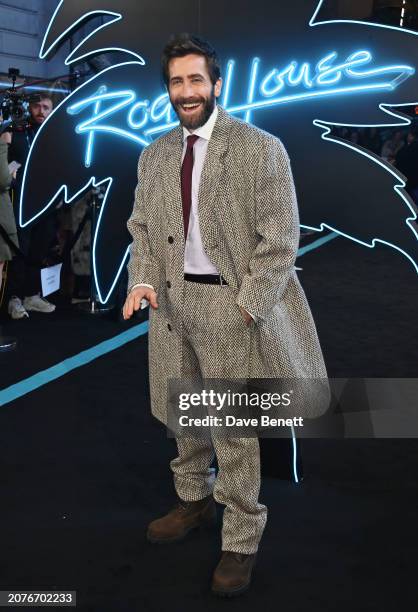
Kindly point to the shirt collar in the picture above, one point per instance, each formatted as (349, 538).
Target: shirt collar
(205, 131)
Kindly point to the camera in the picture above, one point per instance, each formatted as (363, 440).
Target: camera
(14, 106)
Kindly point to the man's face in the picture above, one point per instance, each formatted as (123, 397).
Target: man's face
(191, 91)
(40, 110)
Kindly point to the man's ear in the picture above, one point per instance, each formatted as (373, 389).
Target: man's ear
(218, 87)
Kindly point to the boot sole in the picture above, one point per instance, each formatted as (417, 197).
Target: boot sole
(231, 592)
(29, 309)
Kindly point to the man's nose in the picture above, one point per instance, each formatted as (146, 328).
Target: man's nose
(188, 91)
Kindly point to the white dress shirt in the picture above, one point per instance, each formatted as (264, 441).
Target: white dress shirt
(195, 259)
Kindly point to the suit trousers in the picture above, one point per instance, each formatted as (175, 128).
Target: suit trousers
(216, 343)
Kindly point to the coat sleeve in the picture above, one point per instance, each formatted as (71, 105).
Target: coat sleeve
(277, 225)
(5, 176)
(142, 267)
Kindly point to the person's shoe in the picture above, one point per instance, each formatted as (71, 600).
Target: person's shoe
(16, 309)
(232, 575)
(184, 517)
(38, 304)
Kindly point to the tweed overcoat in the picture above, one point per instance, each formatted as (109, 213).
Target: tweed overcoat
(249, 224)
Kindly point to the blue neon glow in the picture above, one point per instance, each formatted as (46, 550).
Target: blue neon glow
(90, 125)
(226, 87)
(308, 84)
(328, 77)
(37, 88)
(294, 456)
(251, 87)
(160, 108)
(143, 106)
(398, 188)
(72, 58)
(90, 140)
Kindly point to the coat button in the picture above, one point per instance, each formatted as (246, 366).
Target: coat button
(170, 239)
(168, 326)
(169, 284)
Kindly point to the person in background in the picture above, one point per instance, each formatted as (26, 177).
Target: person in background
(392, 146)
(36, 239)
(372, 141)
(7, 220)
(407, 163)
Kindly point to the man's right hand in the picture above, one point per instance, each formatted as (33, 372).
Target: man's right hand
(133, 301)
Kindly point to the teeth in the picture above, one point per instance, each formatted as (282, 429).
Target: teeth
(191, 105)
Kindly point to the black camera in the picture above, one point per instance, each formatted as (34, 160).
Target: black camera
(14, 106)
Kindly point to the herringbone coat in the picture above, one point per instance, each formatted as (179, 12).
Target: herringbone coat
(249, 225)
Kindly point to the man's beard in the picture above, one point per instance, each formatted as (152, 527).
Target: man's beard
(199, 118)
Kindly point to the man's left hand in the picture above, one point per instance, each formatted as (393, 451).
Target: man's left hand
(247, 317)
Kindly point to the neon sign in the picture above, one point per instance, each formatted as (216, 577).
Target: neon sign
(131, 118)
(295, 82)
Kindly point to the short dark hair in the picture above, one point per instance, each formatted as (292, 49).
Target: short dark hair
(42, 95)
(183, 44)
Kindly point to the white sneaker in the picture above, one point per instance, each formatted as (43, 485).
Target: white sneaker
(38, 304)
(16, 309)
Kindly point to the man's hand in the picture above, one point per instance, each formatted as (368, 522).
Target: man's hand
(247, 317)
(133, 301)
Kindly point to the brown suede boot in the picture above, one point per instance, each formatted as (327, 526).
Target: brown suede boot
(232, 576)
(184, 517)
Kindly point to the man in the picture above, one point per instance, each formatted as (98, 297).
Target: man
(215, 234)
(7, 220)
(34, 240)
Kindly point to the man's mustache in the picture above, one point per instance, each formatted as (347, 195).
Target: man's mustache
(183, 101)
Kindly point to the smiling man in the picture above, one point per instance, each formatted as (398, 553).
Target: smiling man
(215, 235)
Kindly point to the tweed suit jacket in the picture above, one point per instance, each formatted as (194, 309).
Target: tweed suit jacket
(249, 226)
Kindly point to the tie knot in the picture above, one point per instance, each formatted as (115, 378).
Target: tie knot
(190, 141)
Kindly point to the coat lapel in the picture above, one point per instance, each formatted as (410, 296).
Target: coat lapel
(172, 182)
(210, 180)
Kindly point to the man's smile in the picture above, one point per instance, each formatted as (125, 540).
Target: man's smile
(190, 107)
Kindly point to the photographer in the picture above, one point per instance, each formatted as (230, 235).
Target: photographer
(7, 220)
(36, 239)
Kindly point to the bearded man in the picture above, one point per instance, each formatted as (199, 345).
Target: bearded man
(215, 235)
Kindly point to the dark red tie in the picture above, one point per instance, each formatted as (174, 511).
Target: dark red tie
(186, 182)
